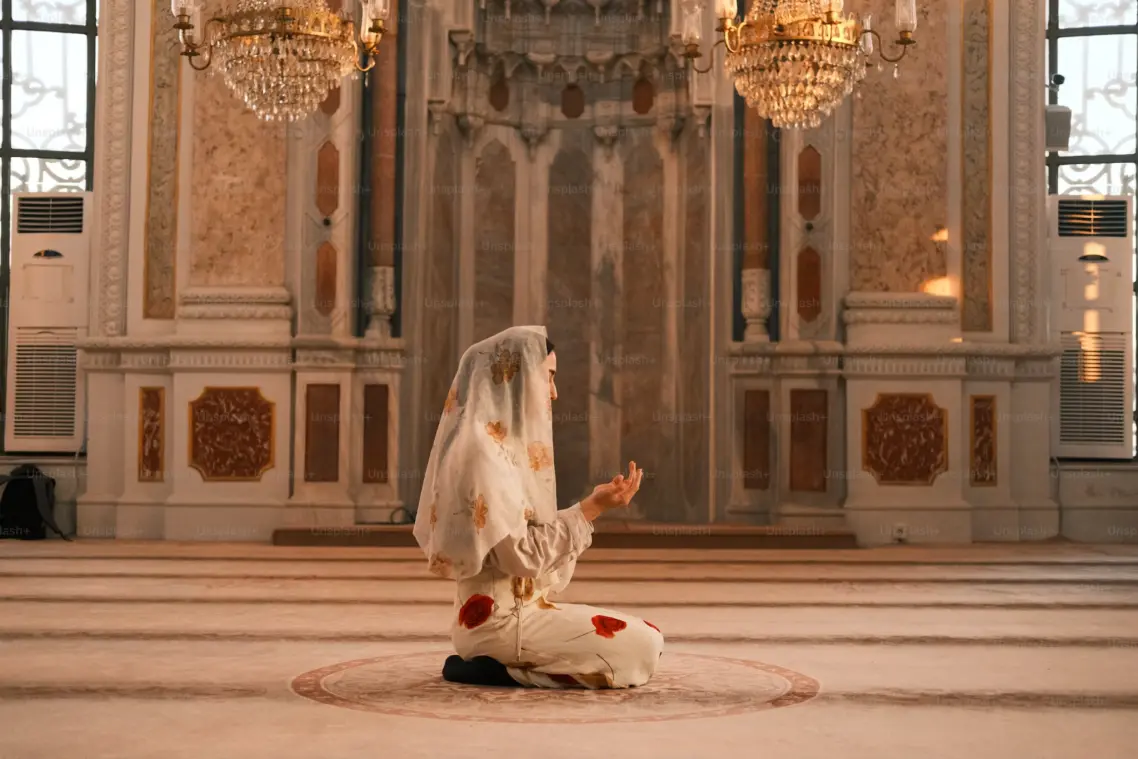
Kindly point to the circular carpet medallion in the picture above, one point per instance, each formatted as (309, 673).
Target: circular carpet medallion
(687, 686)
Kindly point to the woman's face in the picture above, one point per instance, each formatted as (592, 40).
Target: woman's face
(551, 366)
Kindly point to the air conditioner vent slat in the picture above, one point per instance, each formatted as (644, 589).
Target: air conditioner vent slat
(1080, 217)
(52, 214)
(1093, 377)
(46, 383)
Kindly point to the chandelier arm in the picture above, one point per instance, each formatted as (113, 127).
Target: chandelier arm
(698, 70)
(735, 30)
(881, 44)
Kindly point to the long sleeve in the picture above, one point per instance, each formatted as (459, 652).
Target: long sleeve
(545, 548)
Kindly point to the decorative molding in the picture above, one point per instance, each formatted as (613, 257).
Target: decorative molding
(232, 431)
(892, 301)
(607, 135)
(904, 439)
(227, 357)
(151, 434)
(982, 445)
(1027, 192)
(382, 303)
(904, 366)
(909, 316)
(112, 170)
(756, 304)
(253, 303)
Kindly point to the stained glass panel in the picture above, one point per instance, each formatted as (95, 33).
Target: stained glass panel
(50, 11)
(49, 91)
(1076, 13)
(1102, 92)
(48, 175)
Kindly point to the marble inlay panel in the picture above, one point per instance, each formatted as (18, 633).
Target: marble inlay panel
(500, 94)
(385, 125)
(756, 251)
(900, 158)
(239, 182)
(647, 437)
(809, 282)
(231, 434)
(982, 447)
(376, 421)
(809, 183)
(327, 179)
(904, 439)
(325, 279)
(809, 439)
(757, 440)
(439, 323)
(322, 433)
(495, 185)
(151, 434)
(694, 324)
(160, 274)
(569, 311)
(331, 103)
(976, 196)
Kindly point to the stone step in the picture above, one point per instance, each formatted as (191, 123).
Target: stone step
(317, 621)
(612, 534)
(1125, 575)
(623, 594)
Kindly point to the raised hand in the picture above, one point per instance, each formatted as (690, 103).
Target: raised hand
(614, 494)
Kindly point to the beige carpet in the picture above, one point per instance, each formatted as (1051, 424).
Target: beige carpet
(147, 650)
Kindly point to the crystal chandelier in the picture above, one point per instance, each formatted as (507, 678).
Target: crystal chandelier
(281, 57)
(795, 61)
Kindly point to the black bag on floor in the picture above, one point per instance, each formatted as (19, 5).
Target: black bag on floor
(27, 504)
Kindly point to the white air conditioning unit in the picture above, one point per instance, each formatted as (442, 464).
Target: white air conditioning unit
(47, 314)
(1091, 242)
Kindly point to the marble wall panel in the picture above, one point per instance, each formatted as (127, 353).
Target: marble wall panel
(231, 434)
(568, 311)
(322, 433)
(159, 297)
(495, 180)
(757, 440)
(694, 323)
(976, 184)
(239, 181)
(900, 160)
(326, 279)
(809, 438)
(808, 271)
(440, 292)
(377, 417)
(151, 434)
(647, 436)
(904, 439)
(982, 447)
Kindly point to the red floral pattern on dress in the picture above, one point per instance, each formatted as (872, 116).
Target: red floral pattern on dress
(475, 611)
(657, 629)
(608, 627)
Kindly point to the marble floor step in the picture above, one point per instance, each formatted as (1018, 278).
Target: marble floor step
(330, 621)
(1124, 575)
(624, 594)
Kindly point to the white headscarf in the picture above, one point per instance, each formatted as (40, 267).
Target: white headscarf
(490, 473)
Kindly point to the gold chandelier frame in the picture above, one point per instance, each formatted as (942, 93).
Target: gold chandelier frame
(829, 29)
(284, 22)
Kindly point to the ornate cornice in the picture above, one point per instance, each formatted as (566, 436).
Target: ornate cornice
(899, 301)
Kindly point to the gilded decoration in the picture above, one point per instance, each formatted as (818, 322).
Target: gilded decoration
(231, 434)
(982, 444)
(151, 434)
(904, 439)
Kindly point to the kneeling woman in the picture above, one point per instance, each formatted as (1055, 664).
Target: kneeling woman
(488, 519)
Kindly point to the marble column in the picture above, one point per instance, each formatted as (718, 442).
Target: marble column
(756, 237)
(385, 79)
